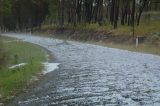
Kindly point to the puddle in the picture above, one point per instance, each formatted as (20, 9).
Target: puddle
(49, 67)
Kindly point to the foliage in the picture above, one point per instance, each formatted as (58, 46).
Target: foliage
(13, 80)
(26, 15)
(5, 7)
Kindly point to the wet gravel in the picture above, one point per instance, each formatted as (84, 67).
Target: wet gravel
(93, 75)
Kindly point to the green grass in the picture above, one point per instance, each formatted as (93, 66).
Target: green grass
(144, 29)
(14, 80)
(81, 27)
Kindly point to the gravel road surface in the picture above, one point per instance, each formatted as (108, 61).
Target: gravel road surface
(93, 75)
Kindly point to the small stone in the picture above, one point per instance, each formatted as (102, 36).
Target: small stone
(1, 104)
(0, 96)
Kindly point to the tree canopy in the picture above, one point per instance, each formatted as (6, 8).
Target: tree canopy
(28, 14)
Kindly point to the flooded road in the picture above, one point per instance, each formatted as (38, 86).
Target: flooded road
(93, 75)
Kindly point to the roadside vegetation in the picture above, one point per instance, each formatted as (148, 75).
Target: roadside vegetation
(14, 52)
(142, 48)
(119, 38)
(144, 29)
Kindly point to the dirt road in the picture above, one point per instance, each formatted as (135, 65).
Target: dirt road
(94, 75)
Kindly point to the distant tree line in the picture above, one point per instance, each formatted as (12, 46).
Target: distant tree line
(22, 14)
(28, 14)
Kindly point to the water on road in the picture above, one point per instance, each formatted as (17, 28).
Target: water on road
(93, 75)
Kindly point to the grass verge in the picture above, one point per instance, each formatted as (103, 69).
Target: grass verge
(14, 80)
(142, 48)
(149, 29)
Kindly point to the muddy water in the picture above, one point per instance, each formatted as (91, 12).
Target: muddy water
(94, 75)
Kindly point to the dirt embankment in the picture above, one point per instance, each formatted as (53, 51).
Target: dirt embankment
(100, 36)
(89, 35)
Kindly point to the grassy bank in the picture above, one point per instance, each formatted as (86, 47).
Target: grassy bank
(119, 38)
(14, 80)
(148, 31)
(144, 29)
(143, 48)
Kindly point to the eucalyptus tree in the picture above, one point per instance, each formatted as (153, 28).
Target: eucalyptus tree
(29, 14)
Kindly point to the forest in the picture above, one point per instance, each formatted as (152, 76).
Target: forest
(29, 14)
